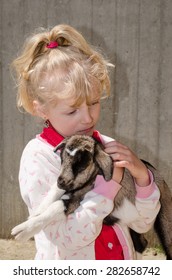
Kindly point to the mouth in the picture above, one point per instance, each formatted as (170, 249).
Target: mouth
(87, 130)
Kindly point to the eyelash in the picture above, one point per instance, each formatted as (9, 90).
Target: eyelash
(71, 113)
(94, 103)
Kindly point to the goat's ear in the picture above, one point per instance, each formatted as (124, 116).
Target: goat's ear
(104, 162)
(60, 146)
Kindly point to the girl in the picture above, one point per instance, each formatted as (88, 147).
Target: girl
(62, 79)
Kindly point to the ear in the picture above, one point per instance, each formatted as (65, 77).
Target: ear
(104, 162)
(39, 110)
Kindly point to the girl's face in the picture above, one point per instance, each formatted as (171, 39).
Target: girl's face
(68, 120)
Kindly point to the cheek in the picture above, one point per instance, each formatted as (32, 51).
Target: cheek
(96, 112)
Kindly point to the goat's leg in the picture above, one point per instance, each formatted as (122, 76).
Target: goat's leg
(163, 223)
(53, 195)
(139, 241)
(28, 229)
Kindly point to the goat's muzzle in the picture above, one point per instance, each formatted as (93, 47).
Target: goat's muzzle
(64, 184)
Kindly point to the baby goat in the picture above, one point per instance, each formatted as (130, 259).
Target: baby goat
(82, 160)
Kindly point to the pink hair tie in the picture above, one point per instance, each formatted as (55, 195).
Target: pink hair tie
(52, 45)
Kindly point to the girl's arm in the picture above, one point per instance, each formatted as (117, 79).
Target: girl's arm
(147, 205)
(141, 216)
(84, 225)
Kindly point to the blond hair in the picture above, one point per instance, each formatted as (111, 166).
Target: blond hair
(72, 68)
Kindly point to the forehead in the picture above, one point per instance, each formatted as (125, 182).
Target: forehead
(87, 96)
(76, 101)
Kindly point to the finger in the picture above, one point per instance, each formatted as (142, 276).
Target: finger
(117, 156)
(117, 149)
(122, 163)
(120, 156)
(115, 143)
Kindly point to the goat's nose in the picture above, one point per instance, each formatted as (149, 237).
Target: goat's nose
(64, 183)
(60, 181)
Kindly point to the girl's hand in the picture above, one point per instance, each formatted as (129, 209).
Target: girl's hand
(123, 157)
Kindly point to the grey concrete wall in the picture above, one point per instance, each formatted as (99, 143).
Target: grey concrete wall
(136, 35)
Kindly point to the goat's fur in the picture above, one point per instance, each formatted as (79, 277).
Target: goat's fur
(82, 160)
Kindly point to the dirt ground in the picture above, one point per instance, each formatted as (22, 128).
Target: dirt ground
(14, 250)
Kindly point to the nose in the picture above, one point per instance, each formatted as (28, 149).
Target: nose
(64, 183)
(86, 116)
(61, 182)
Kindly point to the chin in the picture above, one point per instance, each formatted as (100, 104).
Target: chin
(88, 133)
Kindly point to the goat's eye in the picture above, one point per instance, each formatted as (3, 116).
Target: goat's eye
(82, 160)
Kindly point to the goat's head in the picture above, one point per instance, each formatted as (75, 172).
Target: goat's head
(82, 158)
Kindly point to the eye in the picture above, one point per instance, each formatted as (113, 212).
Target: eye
(82, 160)
(95, 102)
(72, 112)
